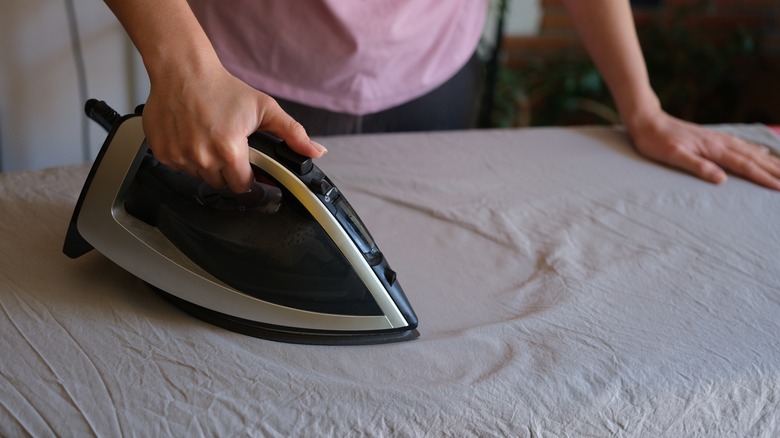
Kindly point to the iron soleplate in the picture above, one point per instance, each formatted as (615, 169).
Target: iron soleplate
(286, 334)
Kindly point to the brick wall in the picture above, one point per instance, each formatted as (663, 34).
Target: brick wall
(712, 21)
(761, 18)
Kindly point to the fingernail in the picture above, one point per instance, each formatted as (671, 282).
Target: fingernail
(319, 147)
(717, 176)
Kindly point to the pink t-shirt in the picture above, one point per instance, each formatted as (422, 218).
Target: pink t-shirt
(352, 56)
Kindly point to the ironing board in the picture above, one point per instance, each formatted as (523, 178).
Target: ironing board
(565, 287)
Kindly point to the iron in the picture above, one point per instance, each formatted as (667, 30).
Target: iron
(290, 260)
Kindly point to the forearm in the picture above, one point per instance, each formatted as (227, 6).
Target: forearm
(606, 28)
(198, 116)
(167, 35)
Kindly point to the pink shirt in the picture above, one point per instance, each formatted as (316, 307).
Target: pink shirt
(352, 56)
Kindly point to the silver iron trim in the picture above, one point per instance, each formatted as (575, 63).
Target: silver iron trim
(336, 232)
(143, 251)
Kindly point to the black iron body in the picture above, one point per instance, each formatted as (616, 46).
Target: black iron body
(265, 244)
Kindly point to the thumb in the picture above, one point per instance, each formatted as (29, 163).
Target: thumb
(274, 120)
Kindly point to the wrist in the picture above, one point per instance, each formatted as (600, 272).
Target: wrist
(639, 111)
(185, 60)
(168, 36)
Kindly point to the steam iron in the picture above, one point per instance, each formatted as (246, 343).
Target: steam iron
(289, 261)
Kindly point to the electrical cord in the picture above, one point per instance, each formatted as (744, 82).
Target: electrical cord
(1, 142)
(492, 65)
(81, 74)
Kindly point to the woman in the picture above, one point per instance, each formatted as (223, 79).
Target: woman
(348, 64)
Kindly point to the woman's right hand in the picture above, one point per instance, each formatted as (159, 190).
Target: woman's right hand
(198, 116)
(199, 124)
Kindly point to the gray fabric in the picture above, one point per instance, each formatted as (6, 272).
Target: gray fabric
(565, 287)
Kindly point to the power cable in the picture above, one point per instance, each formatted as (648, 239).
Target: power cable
(81, 74)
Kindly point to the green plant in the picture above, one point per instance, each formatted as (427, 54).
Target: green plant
(565, 90)
(697, 77)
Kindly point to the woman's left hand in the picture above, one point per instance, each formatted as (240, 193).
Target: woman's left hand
(704, 152)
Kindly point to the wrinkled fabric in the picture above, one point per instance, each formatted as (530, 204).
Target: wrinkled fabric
(564, 285)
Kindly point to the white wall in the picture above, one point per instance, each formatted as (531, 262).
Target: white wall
(523, 18)
(40, 108)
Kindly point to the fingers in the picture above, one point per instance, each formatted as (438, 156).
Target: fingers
(762, 157)
(220, 166)
(753, 163)
(213, 178)
(205, 134)
(226, 166)
(706, 153)
(273, 119)
(238, 178)
(237, 172)
(698, 166)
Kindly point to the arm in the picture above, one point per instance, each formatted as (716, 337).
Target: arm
(198, 116)
(607, 30)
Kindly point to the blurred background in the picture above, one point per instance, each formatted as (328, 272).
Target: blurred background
(711, 61)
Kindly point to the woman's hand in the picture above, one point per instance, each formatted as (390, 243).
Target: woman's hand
(199, 124)
(608, 33)
(198, 116)
(704, 152)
